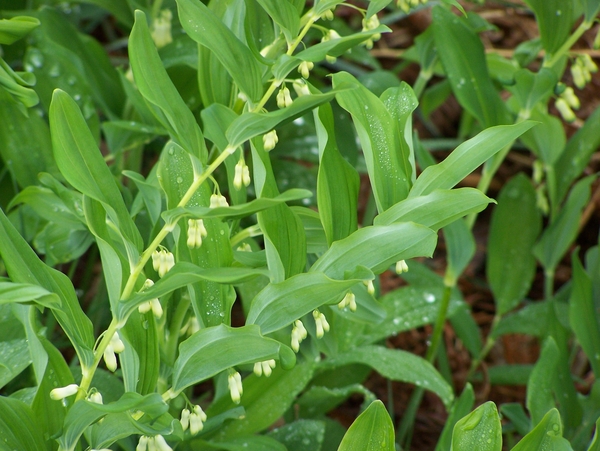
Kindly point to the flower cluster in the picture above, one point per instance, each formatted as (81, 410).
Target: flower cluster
(156, 443)
(566, 103)
(161, 29)
(582, 69)
(152, 304)
(329, 36)
(301, 87)
(270, 140)
(236, 390)
(193, 420)
(299, 333)
(242, 175)
(115, 346)
(401, 267)
(304, 68)
(196, 231)
(162, 261)
(218, 200)
(320, 323)
(406, 5)
(284, 99)
(349, 301)
(370, 24)
(265, 367)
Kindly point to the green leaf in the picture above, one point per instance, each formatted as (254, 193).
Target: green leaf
(14, 358)
(386, 153)
(215, 349)
(461, 248)
(376, 248)
(377, 5)
(463, 57)
(279, 304)
(373, 430)
(301, 435)
(236, 211)
(24, 292)
(540, 386)
(558, 236)
(396, 365)
(157, 88)
(546, 435)
(246, 442)
(142, 334)
(436, 209)
(531, 88)
(204, 27)
(582, 314)
(337, 182)
(510, 262)
(595, 444)
(555, 19)
(84, 413)
(249, 125)
(81, 163)
(467, 157)
(461, 407)
(15, 28)
(480, 430)
(283, 14)
(24, 266)
(18, 428)
(318, 400)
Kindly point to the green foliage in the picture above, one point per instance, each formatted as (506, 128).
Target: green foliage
(193, 228)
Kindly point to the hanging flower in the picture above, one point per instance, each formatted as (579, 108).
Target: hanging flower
(217, 200)
(242, 175)
(185, 419)
(321, 323)
(284, 99)
(162, 261)
(197, 419)
(161, 29)
(270, 140)
(348, 301)
(63, 392)
(236, 390)
(301, 87)
(305, 67)
(401, 267)
(299, 333)
(265, 367)
(564, 109)
(196, 231)
(370, 287)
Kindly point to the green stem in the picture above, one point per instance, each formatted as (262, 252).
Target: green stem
(438, 328)
(582, 28)
(175, 327)
(421, 82)
(248, 232)
(489, 344)
(549, 283)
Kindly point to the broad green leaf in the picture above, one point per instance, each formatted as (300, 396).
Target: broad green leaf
(318, 400)
(249, 125)
(13, 29)
(546, 435)
(337, 183)
(236, 211)
(460, 247)
(24, 143)
(47, 205)
(373, 430)
(463, 57)
(531, 88)
(540, 386)
(396, 365)
(515, 413)
(81, 163)
(246, 442)
(595, 444)
(182, 274)
(554, 18)
(467, 157)
(122, 11)
(18, 427)
(461, 407)
(377, 5)
(14, 358)
(150, 193)
(142, 334)
(24, 292)
(24, 266)
(157, 88)
(376, 248)
(531, 320)
(265, 400)
(516, 224)
(279, 304)
(215, 349)
(436, 209)
(388, 159)
(546, 140)
(582, 314)
(283, 14)
(575, 157)
(558, 236)
(62, 244)
(480, 430)
(204, 27)
(84, 413)
(591, 8)
(301, 435)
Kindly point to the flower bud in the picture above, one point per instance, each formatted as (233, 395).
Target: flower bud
(301, 87)
(117, 345)
(588, 63)
(578, 75)
(234, 381)
(142, 443)
(570, 97)
(328, 15)
(242, 175)
(564, 109)
(161, 444)
(270, 140)
(321, 323)
(185, 419)
(401, 267)
(95, 397)
(196, 231)
(217, 200)
(161, 29)
(370, 287)
(299, 333)
(197, 419)
(265, 368)
(284, 99)
(110, 359)
(304, 68)
(64, 392)
(349, 300)
(162, 261)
